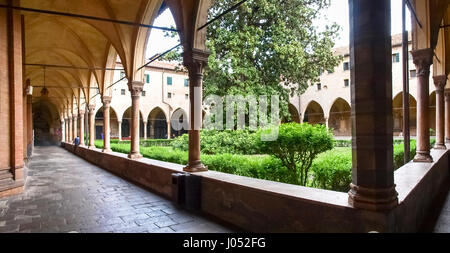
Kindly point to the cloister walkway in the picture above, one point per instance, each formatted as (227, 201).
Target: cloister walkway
(64, 193)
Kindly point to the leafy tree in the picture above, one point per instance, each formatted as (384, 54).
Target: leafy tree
(267, 47)
(297, 146)
(265, 43)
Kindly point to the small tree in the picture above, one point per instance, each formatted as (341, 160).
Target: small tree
(297, 146)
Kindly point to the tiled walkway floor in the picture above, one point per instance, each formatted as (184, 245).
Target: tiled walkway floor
(64, 193)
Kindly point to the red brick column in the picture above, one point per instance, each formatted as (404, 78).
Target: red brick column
(440, 82)
(447, 115)
(14, 72)
(81, 115)
(106, 124)
(195, 61)
(423, 58)
(372, 186)
(91, 126)
(136, 91)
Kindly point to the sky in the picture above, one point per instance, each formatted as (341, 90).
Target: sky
(338, 12)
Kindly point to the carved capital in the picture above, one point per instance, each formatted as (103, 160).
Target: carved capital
(81, 114)
(423, 58)
(440, 82)
(106, 101)
(135, 88)
(91, 108)
(195, 60)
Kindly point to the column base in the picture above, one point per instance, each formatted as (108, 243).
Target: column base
(447, 140)
(108, 150)
(440, 146)
(423, 157)
(91, 147)
(196, 166)
(372, 199)
(134, 156)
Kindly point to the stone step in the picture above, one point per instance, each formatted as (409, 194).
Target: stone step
(6, 184)
(5, 174)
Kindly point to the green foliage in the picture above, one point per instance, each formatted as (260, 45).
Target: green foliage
(220, 142)
(333, 170)
(297, 145)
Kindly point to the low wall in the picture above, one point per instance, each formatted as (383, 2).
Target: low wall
(265, 206)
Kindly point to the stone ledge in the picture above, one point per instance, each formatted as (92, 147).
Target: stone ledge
(265, 206)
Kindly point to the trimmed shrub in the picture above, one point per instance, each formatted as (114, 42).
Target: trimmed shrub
(333, 171)
(297, 146)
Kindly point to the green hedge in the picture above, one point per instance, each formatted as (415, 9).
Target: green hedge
(333, 170)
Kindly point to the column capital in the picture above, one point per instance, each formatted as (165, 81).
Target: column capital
(423, 58)
(74, 116)
(135, 88)
(81, 113)
(195, 60)
(91, 108)
(106, 101)
(440, 82)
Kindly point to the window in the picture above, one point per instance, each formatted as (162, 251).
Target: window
(396, 58)
(410, 57)
(147, 78)
(169, 95)
(319, 86)
(412, 73)
(346, 66)
(186, 82)
(122, 74)
(320, 72)
(186, 96)
(122, 92)
(346, 83)
(169, 80)
(143, 93)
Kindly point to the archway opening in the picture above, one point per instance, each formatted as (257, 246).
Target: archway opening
(126, 125)
(46, 124)
(314, 114)
(293, 112)
(157, 124)
(339, 119)
(432, 112)
(113, 122)
(397, 113)
(177, 120)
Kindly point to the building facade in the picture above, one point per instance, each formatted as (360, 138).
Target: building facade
(328, 102)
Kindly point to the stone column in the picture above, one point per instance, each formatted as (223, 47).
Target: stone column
(30, 125)
(70, 129)
(372, 186)
(447, 115)
(439, 82)
(82, 128)
(75, 126)
(169, 130)
(327, 123)
(423, 58)
(66, 129)
(120, 130)
(145, 130)
(136, 91)
(195, 60)
(91, 126)
(106, 124)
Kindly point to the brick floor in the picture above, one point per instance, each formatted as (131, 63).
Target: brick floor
(64, 193)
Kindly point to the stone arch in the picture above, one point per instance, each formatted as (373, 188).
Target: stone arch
(293, 112)
(126, 124)
(339, 118)
(397, 113)
(157, 124)
(181, 119)
(314, 114)
(114, 123)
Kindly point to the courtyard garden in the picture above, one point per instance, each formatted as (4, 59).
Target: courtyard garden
(303, 154)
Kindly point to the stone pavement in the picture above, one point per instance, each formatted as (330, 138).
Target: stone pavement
(64, 193)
